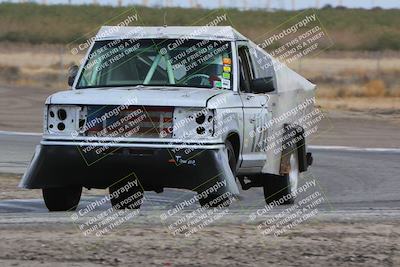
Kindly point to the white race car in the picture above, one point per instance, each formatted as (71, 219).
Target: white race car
(196, 108)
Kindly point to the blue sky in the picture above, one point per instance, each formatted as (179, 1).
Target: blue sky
(287, 4)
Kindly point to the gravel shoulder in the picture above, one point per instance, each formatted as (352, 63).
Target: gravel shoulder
(352, 243)
(358, 129)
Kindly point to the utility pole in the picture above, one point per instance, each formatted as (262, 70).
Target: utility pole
(233, 4)
(293, 5)
(168, 3)
(282, 5)
(245, 4)
(268, 5)
(194, 4)
(317, 4)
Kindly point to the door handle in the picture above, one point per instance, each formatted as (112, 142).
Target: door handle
(266, 100)
(249, 97)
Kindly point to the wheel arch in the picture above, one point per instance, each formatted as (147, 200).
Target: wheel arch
(300, 145)
(234, 139)
(301, 150)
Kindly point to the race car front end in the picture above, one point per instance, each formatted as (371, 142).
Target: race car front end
(94, 146)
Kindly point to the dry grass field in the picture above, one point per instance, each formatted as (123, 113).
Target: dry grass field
(346, 80)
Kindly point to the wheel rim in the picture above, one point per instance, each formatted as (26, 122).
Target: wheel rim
(293, 172)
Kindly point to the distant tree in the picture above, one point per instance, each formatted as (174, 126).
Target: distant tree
(327, 6)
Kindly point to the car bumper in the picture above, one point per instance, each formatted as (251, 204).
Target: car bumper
(193, 167)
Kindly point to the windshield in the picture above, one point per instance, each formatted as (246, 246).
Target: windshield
(160, 62)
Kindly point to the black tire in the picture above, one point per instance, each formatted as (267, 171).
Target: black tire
(277, 187)
(232, 160)
(129, 199)
(62, 198)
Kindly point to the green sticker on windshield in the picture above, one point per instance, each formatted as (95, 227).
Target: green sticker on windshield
(226, 75)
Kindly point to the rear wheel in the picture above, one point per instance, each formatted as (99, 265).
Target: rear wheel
(62, 198)
(280, 188)
(214, 200)
(126, 195)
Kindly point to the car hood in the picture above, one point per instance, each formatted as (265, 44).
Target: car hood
(152, 96)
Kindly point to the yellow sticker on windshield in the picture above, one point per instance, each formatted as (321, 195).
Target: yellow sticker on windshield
(227, 68)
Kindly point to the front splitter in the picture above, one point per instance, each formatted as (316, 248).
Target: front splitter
(155, 168)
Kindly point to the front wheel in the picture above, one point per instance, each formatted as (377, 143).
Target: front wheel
(62, 198)
(282, 188)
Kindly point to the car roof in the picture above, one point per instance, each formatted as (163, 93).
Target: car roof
(225, 33)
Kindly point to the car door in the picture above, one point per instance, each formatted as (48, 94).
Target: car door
(255, 113)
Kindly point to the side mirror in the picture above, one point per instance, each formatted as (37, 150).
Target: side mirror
(262, 85)
(72, 72)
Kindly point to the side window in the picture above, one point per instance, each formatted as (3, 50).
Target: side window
(245, 68)
(262, 64)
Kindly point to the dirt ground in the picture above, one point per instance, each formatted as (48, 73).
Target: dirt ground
(356, 119)
(361, 122)
(325, 240)
(358, 128)
(312, 244)
(350, 241)
(370, 123)
(21, 108)
(9, 189)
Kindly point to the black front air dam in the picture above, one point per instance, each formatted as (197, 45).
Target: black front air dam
(65, 165)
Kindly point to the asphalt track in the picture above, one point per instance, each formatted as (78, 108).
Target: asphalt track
(352, 180)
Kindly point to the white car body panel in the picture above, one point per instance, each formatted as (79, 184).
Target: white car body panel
(151, 96)
(238, 113)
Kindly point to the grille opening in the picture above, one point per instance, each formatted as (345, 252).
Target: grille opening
(133, 121)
